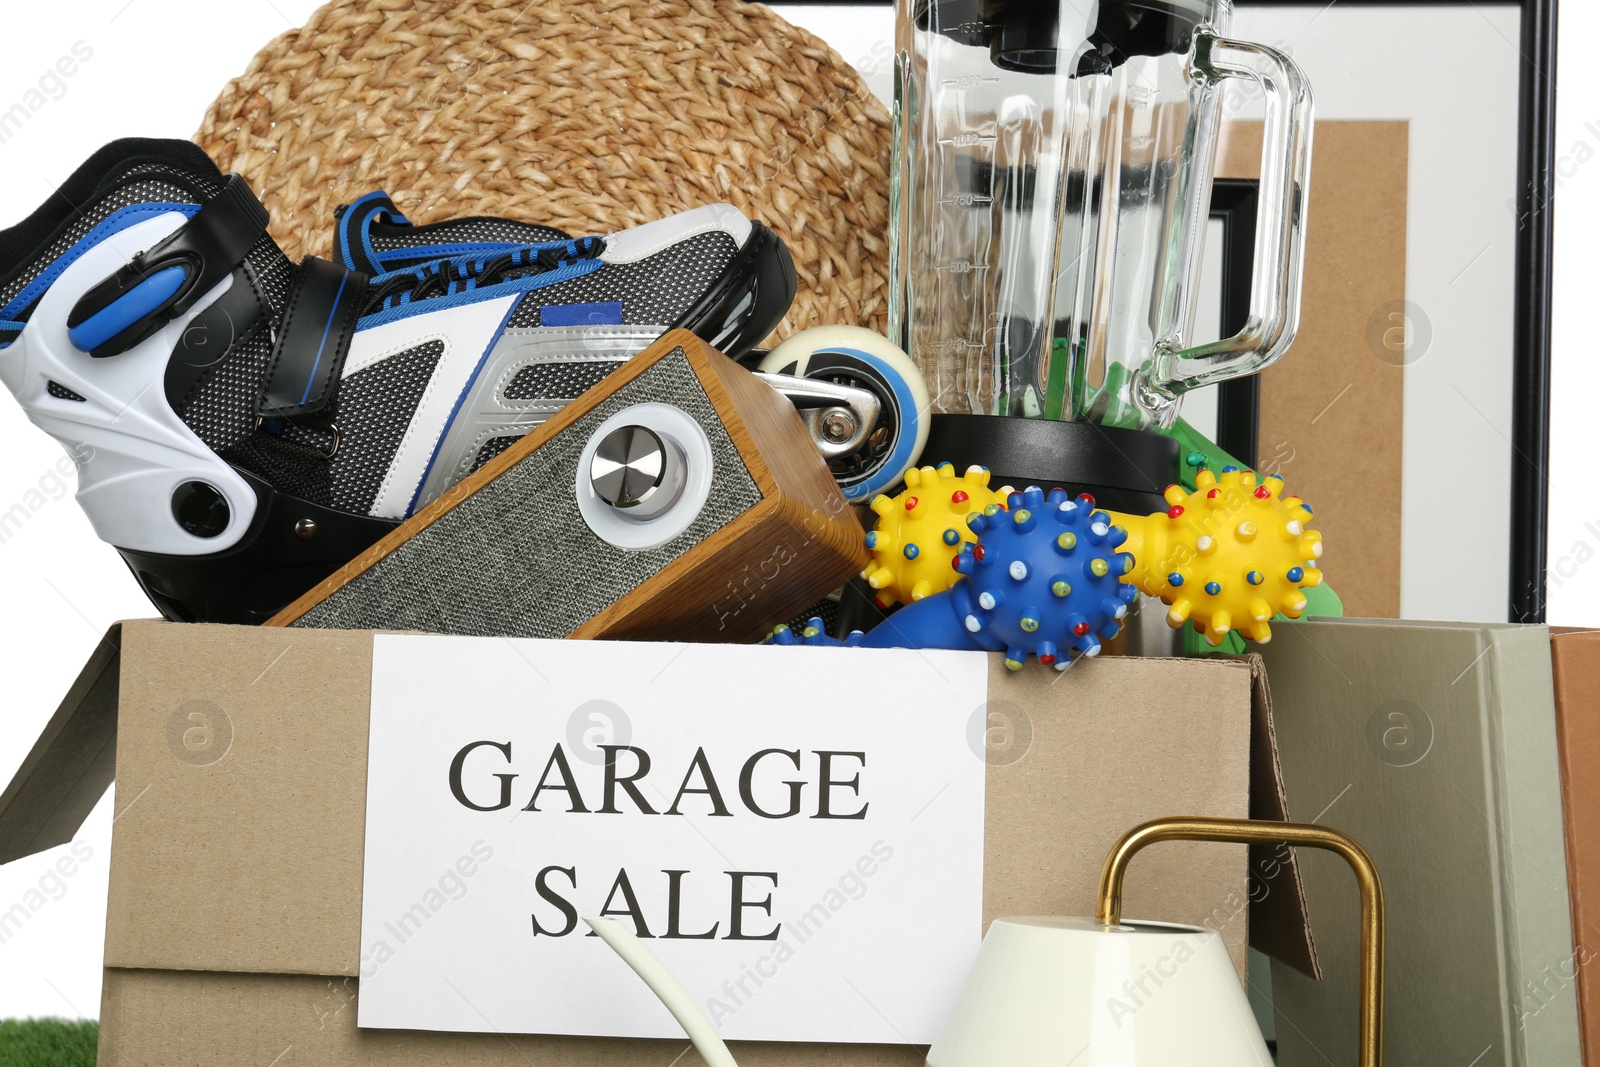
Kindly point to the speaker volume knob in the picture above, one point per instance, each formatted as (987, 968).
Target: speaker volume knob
(637, 472)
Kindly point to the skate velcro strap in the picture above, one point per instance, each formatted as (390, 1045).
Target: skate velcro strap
(165, 280)
(319, 320)
(355, 227)
(231, 318)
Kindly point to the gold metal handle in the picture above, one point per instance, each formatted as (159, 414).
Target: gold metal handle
(1252, 832)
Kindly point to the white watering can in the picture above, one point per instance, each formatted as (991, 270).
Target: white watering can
(1044, 991)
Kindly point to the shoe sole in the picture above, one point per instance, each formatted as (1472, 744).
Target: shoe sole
(749, 299)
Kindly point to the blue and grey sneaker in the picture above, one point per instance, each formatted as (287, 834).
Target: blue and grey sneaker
(243, 426)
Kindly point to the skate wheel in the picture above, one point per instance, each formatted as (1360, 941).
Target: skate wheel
(853, 356)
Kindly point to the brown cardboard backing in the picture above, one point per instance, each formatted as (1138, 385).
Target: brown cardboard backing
(236, 863)
(1331, 410)
(1575, 656)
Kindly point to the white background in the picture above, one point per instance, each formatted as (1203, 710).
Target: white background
(157, 64)
(904, 927)
(1574, 579)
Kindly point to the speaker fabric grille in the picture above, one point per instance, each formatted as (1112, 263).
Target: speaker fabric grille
(516, 559)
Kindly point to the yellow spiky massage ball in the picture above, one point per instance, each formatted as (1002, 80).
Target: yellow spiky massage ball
(920, 531)
(1228, 556)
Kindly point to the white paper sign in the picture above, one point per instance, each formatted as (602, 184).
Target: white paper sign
(798, 830)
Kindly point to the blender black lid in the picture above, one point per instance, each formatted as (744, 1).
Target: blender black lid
(1024, 35)
(1124, 470)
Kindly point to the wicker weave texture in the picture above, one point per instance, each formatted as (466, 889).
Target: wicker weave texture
(589, 116)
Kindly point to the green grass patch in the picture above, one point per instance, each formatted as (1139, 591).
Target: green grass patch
(48, 1042)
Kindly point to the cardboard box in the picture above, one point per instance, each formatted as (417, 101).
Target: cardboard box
(235, 901)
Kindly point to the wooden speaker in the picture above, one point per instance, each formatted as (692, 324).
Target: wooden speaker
(679, 499)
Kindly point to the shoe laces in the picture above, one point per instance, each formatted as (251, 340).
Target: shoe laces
(463, 273)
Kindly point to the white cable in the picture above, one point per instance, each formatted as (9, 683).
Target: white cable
(662, 983)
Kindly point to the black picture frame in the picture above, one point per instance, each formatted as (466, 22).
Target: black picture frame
(1530, 425)
(1530, 403)
(1233, 203)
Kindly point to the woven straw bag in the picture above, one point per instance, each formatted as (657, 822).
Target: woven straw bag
(589, 116)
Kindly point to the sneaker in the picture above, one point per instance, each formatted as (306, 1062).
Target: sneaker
(243, 426)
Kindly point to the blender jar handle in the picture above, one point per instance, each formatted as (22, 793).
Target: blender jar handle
(1280, 221)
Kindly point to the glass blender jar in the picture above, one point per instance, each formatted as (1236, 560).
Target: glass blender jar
(1052, 177)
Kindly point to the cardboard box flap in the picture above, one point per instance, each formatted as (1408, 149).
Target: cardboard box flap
(1279, 923)
(66, 773)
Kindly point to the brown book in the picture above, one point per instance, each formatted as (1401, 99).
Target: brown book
(1576, 656)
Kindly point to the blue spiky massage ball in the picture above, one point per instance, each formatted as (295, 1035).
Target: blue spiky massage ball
(1045, 576)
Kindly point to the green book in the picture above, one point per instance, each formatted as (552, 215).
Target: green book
(1434, 745)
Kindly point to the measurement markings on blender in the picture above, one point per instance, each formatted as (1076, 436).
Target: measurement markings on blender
(968, 138)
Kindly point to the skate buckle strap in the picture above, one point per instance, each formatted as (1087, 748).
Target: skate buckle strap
(319, 321)
(165, 280)
(228, 321)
